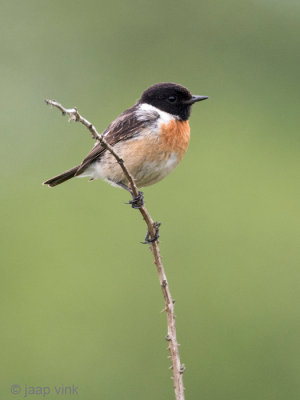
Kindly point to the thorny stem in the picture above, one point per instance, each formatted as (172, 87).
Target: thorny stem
(152, 226)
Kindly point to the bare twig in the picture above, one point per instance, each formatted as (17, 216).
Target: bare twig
(152, 226)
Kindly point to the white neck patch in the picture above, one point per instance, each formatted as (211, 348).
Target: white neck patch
(145, 108)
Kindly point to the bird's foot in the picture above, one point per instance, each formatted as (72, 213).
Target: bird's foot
(137, 201)
(150, 239)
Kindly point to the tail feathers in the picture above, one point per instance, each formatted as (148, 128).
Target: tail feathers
(57, 180)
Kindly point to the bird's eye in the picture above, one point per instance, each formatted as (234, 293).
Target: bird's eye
(172, 99)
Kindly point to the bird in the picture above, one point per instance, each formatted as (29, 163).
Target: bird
(151, 137)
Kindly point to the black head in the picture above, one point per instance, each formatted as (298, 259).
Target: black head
(171, 98)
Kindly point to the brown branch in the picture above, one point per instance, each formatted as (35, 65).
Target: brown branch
(152, 226)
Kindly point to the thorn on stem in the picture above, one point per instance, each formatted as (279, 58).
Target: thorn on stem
(77, 117)
(164, 283)
(182, 369)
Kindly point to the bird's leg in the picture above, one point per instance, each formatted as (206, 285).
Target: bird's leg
(137, 201)
(124, 186)
(149, 239)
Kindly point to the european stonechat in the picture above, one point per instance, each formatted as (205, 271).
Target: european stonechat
(151, 137)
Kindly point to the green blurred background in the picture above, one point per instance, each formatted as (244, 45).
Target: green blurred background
(80, 298)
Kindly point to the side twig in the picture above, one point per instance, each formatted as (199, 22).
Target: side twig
(152, 226)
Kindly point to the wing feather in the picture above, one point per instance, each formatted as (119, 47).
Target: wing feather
(125, 127)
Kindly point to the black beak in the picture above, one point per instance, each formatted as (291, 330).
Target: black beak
(194, 99)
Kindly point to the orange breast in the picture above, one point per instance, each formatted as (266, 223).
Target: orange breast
(175, 137)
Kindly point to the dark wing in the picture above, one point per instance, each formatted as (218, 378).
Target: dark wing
(125, 127)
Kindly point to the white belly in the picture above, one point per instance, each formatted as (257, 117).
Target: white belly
(147, 174)
(154, 171)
